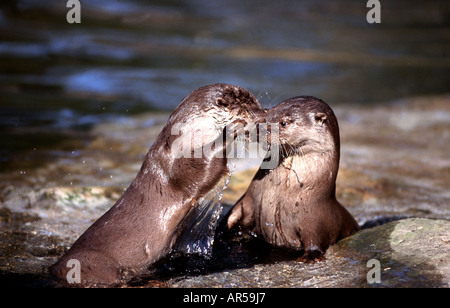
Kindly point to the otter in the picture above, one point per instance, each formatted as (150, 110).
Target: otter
(294, 205)
(144, 224)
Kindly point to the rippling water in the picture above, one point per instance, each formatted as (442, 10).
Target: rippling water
(57, 79)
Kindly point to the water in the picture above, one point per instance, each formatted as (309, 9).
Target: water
(201, 224)
(57, 80)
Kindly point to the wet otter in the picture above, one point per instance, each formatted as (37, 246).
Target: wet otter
(294, 205)
(145, 223)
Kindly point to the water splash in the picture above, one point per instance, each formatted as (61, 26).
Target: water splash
(198, 237)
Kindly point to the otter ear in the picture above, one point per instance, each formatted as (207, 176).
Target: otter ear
(320, 118)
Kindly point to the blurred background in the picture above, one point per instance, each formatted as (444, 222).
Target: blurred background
(128, 57)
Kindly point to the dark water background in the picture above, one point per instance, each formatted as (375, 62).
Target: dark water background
(58, 80)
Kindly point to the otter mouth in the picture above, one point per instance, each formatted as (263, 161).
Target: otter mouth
(302, 143)
(272, 137)
(247, 125)
(287, 149)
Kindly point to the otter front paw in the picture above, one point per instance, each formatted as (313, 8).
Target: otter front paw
(312, 256)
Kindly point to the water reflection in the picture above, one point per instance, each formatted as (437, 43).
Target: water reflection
(127, 57)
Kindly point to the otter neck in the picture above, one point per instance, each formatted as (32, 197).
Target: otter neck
(313, 172)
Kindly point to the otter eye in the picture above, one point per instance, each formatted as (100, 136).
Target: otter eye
(283, 124)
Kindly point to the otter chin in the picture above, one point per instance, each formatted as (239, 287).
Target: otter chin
(294, 205)
(145, 223)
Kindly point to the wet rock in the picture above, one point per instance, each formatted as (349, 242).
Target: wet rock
(37, 227)
(412, 253)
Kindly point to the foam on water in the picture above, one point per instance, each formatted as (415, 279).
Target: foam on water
(198, 237)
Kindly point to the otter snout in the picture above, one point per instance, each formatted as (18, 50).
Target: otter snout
(262, 133)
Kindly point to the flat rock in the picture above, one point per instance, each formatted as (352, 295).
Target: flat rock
(412, 253)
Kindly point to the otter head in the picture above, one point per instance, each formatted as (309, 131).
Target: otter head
(303, 125)
(203, 115)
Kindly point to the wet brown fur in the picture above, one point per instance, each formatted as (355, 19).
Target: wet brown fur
(146, 221)
(294, 205)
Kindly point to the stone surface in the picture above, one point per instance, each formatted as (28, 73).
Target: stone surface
(412, 253)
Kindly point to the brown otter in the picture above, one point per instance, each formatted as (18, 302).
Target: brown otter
(294, 205)
(144, 224)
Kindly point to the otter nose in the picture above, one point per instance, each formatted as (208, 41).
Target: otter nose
(262, 131)
(260, 120)
(261, 123)
(260, 116)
